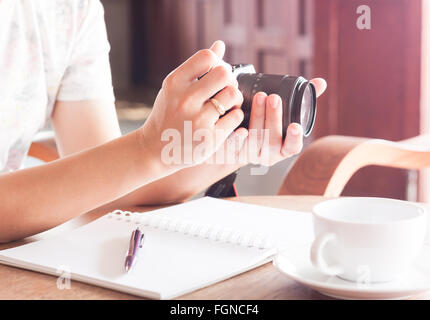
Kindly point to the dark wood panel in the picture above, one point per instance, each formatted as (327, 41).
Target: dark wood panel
(374, 80)
(164, 34)
(275, 35)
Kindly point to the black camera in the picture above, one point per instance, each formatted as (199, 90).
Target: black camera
(298, 96)
(299, 105)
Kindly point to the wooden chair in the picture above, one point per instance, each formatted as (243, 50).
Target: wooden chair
(327, 165)
(44, 147)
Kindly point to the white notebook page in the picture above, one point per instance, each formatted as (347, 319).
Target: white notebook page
(170, 263)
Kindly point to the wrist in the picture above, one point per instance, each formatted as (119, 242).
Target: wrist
(149, 157)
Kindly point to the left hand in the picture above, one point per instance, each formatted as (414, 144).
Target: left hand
(266, 113)
(266, 120)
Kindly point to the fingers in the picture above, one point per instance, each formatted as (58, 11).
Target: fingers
(258, 111)
(320, 85)
(273, 120)
(256, 125)
(216, 79)
(227, 124)
(273, 124)
(293, 143)
(197, 65)
(218, 47)
(228, 97)
(234, 145)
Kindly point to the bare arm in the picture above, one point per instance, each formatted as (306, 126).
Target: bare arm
(39, 198)
(84, 124)
(45, 196)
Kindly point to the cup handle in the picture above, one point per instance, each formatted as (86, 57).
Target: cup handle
(317, 258)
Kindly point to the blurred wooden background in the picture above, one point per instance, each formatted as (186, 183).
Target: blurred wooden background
(374, 76)
(274, 35)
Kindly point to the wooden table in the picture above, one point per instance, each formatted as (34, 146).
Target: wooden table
(265, 282)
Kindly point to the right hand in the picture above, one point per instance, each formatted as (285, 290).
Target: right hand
(184, 98)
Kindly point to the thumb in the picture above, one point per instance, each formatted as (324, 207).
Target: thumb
(320, 85)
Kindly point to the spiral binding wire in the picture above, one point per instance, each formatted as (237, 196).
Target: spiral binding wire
(204, 231)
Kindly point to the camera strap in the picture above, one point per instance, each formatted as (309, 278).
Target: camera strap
(224, 188)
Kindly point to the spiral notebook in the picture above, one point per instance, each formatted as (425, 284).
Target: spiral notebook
(187, 246)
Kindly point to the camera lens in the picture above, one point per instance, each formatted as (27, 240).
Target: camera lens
(298, 97)
(305, 109)
(305, 113)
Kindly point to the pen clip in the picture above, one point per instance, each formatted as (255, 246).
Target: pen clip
(136, 241)
(141, 239)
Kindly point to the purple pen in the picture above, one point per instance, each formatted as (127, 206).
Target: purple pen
(136, 242)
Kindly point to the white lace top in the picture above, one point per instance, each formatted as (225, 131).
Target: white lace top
(49, 50)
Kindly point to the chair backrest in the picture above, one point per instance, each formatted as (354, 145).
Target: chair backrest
(327, 165)
(44, 147)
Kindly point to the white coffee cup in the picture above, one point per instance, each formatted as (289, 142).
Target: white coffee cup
(367, 240)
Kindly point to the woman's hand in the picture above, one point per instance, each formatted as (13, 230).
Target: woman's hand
(262, 143)
(182, 110)
(188, 182)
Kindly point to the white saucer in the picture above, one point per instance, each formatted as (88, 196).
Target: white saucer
(296, 264)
